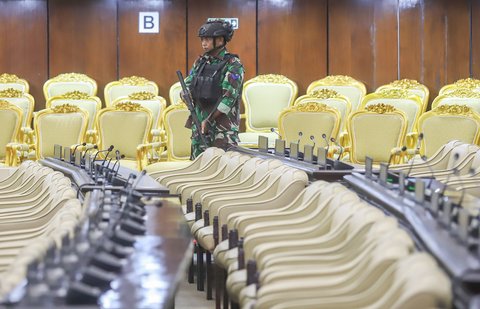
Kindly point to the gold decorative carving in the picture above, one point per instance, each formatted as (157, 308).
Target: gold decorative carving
(4, 104)
(339, 80)
(65, 109)
(11, 93)
(75, 95)
(271, 78)
(463, 93)
(405, 83)
(141, 96)
(134, 81)
(394, 93)
(468, 83)
(380, 108)
(8, 78)
(453, 109)
(128, 106)
(324, 94)
(310, 107)
(72, 77)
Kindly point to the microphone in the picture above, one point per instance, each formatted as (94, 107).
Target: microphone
(455, 158)
(324, 136)
(274, 131)
(105, 150)
(417, 149)
(75, 149)
(86, 151)
(312, 138)
(338, 145)
(118, 167)
(300, 134)
(106, 156)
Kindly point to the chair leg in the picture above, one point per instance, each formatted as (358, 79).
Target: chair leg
(191, 269)
(218, 274)
(200, 270)
(208, 257)
(225, 293)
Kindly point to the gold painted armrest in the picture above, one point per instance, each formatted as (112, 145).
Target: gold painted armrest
(142, 150)
(343, 139)
(27, 135)
(411, 139)
(91, 136)
(15, 153)
(243, 116)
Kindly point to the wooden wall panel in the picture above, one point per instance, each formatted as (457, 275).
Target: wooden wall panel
(83, 39)
(244, 39)
(475, 28)
(292, 39)
(410, 41)
(156, 56)
(23, 43)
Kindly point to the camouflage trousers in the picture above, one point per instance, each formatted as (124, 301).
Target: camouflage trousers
(221, 139)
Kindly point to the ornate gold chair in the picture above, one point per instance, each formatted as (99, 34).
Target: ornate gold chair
(174, 94)
(445, 123)
(353, 89)
(13, 81)
(265, 96)
(156, 104)
(402, 100)
(410, 85)
(127, 126)
(467, 83)
(26, 103)
(69, 82)
(332, 99)
(459, 96)
(375, 132)
(10, 123)
(126, 86)
(312, 119)
(64, 125)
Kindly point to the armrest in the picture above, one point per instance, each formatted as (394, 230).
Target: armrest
(142, 149)
(27, 135)
(91, 136)
(15, 153)
(411, 139)
(344, 139)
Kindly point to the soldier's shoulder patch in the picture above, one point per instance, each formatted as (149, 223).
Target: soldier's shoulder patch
(235, 76)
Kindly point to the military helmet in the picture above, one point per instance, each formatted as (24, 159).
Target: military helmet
(216, 28)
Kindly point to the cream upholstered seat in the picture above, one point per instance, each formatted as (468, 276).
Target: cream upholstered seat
(8, 81)
(312, 119)
(375, 132)
(126, 126)
(26, 103)
(459, 96)
(467, 83)
(83, 100)
(264, 97)
(156, 104)
(402, 100)
(126, 86)
(445, 123)
(353, 89)
(68, 82)
(412, 87)
(174, 94)
(10, 122)
(332, 99)
(176, 139)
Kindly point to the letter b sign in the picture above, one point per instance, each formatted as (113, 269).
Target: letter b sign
(148, 22)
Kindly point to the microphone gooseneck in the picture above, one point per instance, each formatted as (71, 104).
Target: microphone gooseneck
(76, 146)
(312, 138)
(333, 140)
(300, 134)
(275, 131)
(88, 149)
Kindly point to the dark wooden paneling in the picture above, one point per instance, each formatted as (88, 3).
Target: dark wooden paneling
(83, 39)
(244, 39)
(23, 43)
(292, 39)
(155, 56)
(475, 28)
(434, 47)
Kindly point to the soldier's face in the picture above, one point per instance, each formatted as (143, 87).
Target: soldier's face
(207, 43)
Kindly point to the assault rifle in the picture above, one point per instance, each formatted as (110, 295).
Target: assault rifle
(191, 108)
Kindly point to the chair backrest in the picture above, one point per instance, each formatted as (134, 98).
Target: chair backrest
(353, 89)
(375, 131)
(22, 100)
(156, 104)
(330, 98)
(91, 104)
(312, 119)
(125, 125)
(64, 125)
(264, 97)
(69, 82)
(178, 137)
(401, 99)
(10, 122)
(13, 81)
(410, 85)
(459, 96)
(467, 83)
(446, 123)
(174, 94)
(126, 86)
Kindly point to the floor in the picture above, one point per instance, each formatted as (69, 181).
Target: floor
(189, 298)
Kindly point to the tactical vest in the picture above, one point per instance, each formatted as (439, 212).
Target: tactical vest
(206, 85)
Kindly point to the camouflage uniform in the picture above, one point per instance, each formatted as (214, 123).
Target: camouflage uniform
(224, 130)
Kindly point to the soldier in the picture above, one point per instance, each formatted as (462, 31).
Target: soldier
(215, 82)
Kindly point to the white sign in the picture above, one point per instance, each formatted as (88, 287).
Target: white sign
(148, 22)
(232, 20)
